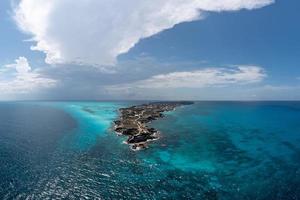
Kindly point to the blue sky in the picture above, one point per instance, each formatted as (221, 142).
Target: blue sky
(238, 50)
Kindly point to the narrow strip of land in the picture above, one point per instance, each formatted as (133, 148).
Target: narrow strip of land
(133, 122)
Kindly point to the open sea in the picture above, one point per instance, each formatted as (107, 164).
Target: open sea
(209, 150)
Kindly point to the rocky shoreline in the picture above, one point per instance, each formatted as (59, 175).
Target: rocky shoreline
(133, 122)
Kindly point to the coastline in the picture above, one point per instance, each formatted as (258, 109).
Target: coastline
(133, 122)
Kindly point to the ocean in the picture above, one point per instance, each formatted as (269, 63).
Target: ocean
(208, 150)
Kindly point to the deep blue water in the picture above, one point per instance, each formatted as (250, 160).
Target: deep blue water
(209, 150)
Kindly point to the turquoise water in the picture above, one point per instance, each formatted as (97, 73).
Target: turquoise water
(93, 119)
(209, 150)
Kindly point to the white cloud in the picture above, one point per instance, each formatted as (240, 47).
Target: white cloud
(21, 65)
(209, 77)
(19, 78)
(277, 87)
(96, 32)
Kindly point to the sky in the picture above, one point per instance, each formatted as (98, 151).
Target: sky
(149, 50)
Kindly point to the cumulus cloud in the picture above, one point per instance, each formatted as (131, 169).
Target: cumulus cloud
(19, 78)
(95, 32)
(21, 66)
(209, 77)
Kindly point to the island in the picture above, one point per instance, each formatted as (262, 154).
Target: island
(133, 122)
